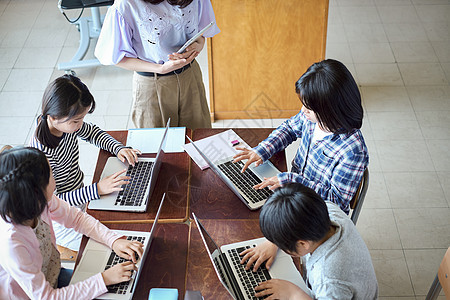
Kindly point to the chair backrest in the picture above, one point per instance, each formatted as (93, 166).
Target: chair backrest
(358, 200)
(442, 279)
(67, 254)
(444, 273)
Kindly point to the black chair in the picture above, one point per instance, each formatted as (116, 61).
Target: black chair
(89, 27)
(358, 200)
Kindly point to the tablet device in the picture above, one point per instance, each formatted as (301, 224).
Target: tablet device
(195, 37)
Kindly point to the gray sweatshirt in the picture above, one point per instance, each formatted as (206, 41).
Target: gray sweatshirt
(341, 268)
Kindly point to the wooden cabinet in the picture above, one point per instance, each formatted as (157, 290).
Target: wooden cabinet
(263, 48)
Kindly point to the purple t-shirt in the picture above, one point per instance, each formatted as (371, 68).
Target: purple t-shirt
(137, 29)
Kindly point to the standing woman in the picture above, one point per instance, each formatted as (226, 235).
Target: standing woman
(143, 36)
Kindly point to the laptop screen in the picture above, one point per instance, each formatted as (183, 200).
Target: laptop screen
(214, 253)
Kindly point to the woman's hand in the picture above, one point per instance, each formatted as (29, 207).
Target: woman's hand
(271, 182)
(131, 155)
(280, 289)
(119, 273)
(248, 154)
(128, 249)
(263, 252)
(172, 65)
(112, 183)
(196, 47)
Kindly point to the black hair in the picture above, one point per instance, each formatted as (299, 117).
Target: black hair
(63, 98)
(24, 176)
(293, 213)
(329, 90)
(180, 3)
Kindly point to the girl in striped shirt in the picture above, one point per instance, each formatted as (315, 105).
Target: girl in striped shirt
(65, 103)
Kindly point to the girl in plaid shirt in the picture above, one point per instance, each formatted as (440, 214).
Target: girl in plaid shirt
(332, 155)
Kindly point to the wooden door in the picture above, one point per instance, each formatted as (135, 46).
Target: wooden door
(263, 48)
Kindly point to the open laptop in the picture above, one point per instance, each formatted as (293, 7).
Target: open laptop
(135, 195)
(98, 257)
(240, 283)
(242, 183)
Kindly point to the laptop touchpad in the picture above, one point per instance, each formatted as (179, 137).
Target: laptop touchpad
(93, 261)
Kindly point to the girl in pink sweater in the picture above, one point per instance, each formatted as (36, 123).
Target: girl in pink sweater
(29, 261)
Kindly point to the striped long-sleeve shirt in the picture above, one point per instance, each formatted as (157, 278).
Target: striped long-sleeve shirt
(333, 166)
(64, 160)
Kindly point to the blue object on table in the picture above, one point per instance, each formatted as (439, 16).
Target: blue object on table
(163, 294)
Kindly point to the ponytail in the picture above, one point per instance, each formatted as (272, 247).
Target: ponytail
(63, 98)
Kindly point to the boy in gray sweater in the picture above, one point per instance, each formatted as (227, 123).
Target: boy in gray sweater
(337, 263)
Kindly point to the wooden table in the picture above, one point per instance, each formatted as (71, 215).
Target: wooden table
(210, 198)
(200, 273)
(173, 179)
(166, 261)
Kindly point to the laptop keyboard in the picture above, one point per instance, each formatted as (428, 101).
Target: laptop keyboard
(114, 259)
(248, 278)
(133, 193)
(245, 181)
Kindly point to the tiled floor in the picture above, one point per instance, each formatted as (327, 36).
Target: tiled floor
(399, 52)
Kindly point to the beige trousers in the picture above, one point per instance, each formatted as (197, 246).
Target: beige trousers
(180, 97)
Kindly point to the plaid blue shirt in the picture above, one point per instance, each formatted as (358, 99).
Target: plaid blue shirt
(333, 166)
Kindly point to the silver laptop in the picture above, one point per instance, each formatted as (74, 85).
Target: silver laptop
(242, 183)
(240, 283)
(135, 195)
(98, 258)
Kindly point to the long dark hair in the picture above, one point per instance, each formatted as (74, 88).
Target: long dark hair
(329, 90)
(294, 212)
(24, 175)
(63, 98)
(180, 3)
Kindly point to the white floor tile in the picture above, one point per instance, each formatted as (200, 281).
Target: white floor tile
(433, 13)
(37, 58)
(395, 126)
(386, 99)
(392, 273)
(373, 225)
(414, 52)
(404, 156)
(405, 32)
(19, 104)
(15, 129)
(398, 14)
(415, 190)
(377, 195)
(371, 53)
(423, 228)
(360, 15)
(20, 80)
(429, 98)
(422, 74)
(371, 33)
(439, 151)
(437, 31)
(378, 74)
(434, 124)
(112, 103)
(8, 57)
(423, 265)
(442, 50)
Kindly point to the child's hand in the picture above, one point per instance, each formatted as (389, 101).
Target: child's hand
(128, 249)
(119, 273)
(271, 182)
(280, 289)
(248, 154)
(263, 252)
(131, 155)
(112, 183)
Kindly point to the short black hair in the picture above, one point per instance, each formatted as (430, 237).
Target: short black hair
(294, 212)
(64, 98)
(329, 90)
(180, 3)
(24, 175)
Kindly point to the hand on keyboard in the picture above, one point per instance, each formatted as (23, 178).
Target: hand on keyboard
(128, 249)
(112, 183)
(272, 183)
(128, 154)
(119, 273)
(280, 289)
(256, 256)
(248, 154)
